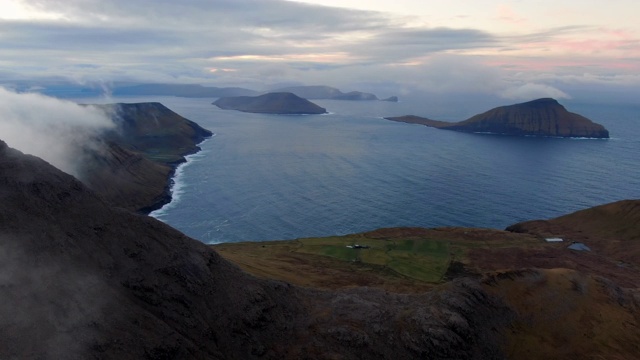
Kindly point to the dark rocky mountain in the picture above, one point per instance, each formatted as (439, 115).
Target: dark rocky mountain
(271, 103)
(542, 117)
(82, 279)
(182, 90)
(134, 167)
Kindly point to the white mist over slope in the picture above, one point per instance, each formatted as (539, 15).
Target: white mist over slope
(52, 129)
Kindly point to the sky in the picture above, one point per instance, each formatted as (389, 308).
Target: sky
(510, 49)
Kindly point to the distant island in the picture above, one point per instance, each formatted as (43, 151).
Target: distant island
(284, 103)
(318, 92)
(541, 117)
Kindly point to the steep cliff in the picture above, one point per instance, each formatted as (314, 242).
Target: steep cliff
(134, 166)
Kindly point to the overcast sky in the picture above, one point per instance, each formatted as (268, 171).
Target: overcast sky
(513, 49)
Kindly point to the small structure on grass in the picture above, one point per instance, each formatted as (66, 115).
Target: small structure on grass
(579, 247)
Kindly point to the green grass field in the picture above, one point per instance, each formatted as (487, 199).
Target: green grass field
(421, 259)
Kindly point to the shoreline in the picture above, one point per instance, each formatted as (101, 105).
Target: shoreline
(167, 196)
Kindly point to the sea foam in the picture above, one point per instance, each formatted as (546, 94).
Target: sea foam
(178, 184)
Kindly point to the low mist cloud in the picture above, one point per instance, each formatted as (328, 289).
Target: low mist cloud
(55, 130)
(533, 91)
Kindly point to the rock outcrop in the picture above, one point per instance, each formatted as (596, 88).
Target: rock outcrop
(284, 103)
(542, 117)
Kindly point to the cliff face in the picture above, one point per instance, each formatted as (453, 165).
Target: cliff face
(271, 103)
(134, 167)
(81, 279)
(542, 117)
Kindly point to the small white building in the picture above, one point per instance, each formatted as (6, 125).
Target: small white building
(554, 239)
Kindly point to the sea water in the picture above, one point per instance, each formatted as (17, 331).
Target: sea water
(272, 177)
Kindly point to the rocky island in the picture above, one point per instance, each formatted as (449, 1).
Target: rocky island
(541, 117)
(284, 103)
(331, 93)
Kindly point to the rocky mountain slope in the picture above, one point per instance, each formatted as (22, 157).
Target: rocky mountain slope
(82, 279)
(134, 167)
(271, 103)
(542, 117)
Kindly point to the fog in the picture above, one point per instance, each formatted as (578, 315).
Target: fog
(55, 130)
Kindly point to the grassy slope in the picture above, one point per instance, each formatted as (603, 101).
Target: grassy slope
(560, 313)
(405, 260)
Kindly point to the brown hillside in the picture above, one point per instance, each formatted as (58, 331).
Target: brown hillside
(564, 314)
(611, 229)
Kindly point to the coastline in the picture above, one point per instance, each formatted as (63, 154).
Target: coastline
(167, 197)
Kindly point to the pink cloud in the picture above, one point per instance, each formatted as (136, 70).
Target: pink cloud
(506, 14)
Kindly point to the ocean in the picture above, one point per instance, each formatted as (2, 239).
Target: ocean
(271, 177)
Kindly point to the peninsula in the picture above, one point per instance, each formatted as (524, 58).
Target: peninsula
(541, 117)
(134, 167)
(284, 103)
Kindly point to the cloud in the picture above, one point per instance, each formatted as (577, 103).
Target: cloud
(55, 130)
(148, 40)
(533, 91)
(274, 41)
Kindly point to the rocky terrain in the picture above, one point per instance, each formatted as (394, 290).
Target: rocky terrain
(542, 117)
(133, 169)
(272, 103)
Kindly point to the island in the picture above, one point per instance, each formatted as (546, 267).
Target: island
(541, 117)
(283, 103)
(330, 93)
